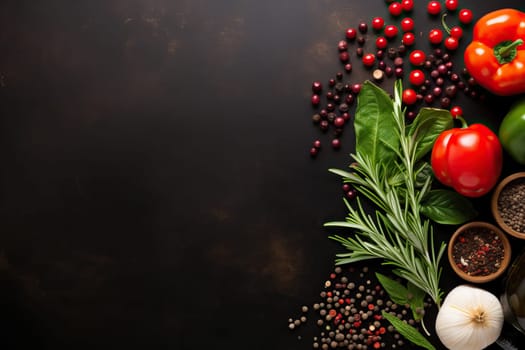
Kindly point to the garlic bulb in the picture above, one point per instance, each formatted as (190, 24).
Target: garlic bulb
(470, 318)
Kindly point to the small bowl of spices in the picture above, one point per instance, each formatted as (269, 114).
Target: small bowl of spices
(479, 252)
(508, 204)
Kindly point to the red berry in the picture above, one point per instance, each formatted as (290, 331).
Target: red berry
(456, 111)
(435, 36)
(417, 77)
(344, 56)
(434, 7)
(314, 151)
(417, 57)
(381, 42)
(409, 96)
(408, 39)
(395, 9)
(451, 5)
(456, 32)
(451, 43)
(465, 16)
(342, 45)
(407, 5)
(369, 59)
(351, 33)
(407, 24)
(390, 31)
(336, 143)
(378, 23)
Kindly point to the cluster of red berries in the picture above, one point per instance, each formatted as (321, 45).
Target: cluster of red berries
(432, 78)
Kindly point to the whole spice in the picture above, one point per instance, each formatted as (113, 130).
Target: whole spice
(496, 55)
(470, 319)
(511, 205)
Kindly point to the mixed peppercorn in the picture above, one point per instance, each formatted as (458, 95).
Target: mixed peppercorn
(348, 314)
(433, 79)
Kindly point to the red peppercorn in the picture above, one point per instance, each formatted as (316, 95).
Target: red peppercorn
(407, 24)
(316, 99)
(434, 7)
(339, 122)
(378, 23)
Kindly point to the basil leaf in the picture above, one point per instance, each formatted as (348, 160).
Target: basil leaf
(426, 127)
(417, 300)
(410, 333)
(397, 292)
(423, 172)
(374, 124)
(447, 207)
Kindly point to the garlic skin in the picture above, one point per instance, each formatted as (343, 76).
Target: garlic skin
(470, 318)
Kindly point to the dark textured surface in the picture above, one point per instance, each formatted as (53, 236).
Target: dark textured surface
(155, 184)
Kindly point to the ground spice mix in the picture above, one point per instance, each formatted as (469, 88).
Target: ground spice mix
(478, 251)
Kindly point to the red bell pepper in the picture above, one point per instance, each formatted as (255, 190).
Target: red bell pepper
(468, 159)
(496, 56)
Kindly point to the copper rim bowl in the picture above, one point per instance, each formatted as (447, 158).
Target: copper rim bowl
(495, 208)
(506, 252)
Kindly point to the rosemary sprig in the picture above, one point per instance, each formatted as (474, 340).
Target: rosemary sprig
(397, 234)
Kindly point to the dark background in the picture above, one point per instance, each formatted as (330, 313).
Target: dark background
(156, 188)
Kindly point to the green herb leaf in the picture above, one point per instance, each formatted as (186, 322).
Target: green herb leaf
(423, 172)
(447, 207)
(375, 125)
(416, 298)
(426, 127)
(410, 333)
(397, 292)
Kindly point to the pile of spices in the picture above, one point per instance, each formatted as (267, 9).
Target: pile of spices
(478, 251)
(348, 314)
(386, 47)
(511, 205)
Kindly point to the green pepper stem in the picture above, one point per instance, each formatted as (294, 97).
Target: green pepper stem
(507, 49)
(464, 123)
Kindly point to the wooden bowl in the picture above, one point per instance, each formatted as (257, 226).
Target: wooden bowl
(503, 186)
(462, 258)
